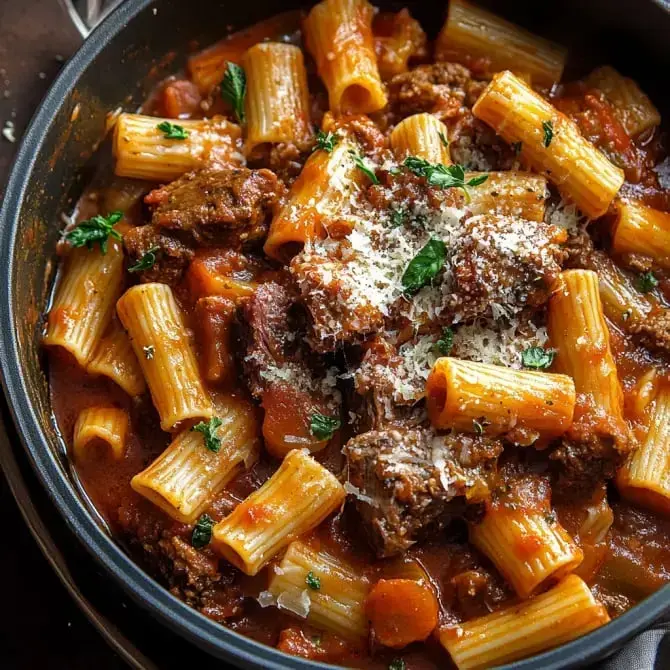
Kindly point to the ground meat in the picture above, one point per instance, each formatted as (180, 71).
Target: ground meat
(335, 317)
(172, 255)
(284, 159)
(366, 133)
(653, 331)
(438, 89)
(501, 265)
(227, 207)
(406, 478)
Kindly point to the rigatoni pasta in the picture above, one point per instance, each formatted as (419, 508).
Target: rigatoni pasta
(421, 135)
(108, 425)
(152, 318)
(520, 194)
(550, 142)
(299, 495)
(643, 231)
(338, 34)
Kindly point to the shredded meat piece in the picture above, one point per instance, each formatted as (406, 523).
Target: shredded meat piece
(228, 207)
(502, 264)
(405, 479)
(172, 254)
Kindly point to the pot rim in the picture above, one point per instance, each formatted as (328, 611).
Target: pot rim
(148, 593)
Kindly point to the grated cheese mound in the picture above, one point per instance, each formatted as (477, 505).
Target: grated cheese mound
(564, 215)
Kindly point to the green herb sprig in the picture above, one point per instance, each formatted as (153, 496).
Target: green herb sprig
(538, 358)
(234, 89)
(172, 131)
(147, 261)
(443, 176)
(326, 141)
(363, 166)
(202, 533)
(548, 130)
(95, 230)
(424, 266)
(209, 430)
(323, 427)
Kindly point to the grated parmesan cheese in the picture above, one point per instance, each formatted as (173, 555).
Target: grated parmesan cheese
(663, 172)
(564, 215)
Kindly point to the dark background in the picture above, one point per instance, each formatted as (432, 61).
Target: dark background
(42, 627)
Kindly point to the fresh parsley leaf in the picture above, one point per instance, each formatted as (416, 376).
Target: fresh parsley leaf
(548, 128)
(397, 664)
(538, 358)
(443, 139)
(326, 141)
(146, 262)
(172, 131)
(398, 217)
(323, 427)
(517, 146)
(550, 518)
(313, 581)
(445, 344)
(424, 266)
(646, 282)
(234, 88)
(208, 429)
(443, 176)
(202, 533)
(361, 165)
(97, 229)
(149, 351)
(478, 426)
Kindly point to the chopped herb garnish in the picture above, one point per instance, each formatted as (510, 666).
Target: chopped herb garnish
(208, 429)
(361, 165)
(146, 262)
(479, 428)
(443, 139)
(443, 176)
(97, 229)
(202, 533)
(172, 131)
(234, 88)
(323, 427)
(548, 128)
(517, 146)
(646, 282)
(398, 217)
(313, 581)
(316, 640)
(446, 342)
(326, 141)
(397, 664)
(627, 314)
(149, 351)
(424, 266)
(550, 518)
(538, 358)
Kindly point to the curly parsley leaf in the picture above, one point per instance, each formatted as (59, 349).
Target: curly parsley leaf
(443, 176)
(443, 139)
(172, 131)
(146, 262)
(424, 266)
(234, 89)
(363, 166)
(538, 358)
(446, 342)
(97, 229)
(209, 429)
(322, 426)
(313, 581)
(202, 533)
(548, 129)
(326, 141)
(646, 282)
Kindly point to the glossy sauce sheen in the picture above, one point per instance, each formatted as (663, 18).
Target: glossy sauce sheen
(631, 563)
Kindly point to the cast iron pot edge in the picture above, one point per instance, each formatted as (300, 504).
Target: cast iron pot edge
(182, 619)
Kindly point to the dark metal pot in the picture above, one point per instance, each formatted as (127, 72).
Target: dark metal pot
(55, 160)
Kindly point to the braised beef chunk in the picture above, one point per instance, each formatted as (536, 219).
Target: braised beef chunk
(404, 480)
(229, 207)
(438, 89)
(503, 264)
(171, 254)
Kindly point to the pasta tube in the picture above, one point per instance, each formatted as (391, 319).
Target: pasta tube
(518, 194)
(114, 357)
(643, 231)
(296, 499)
(105, 424)
(85, 299)
(152, 318)
(323, 589)
(579, 334)
(183, 480)
(277, 100)
(550, 142)
(633, 109)
(421, 135)
(645, 477)
(487, 43)
(338, 34)
(563, 613)
(143, 151)
(478, 397)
